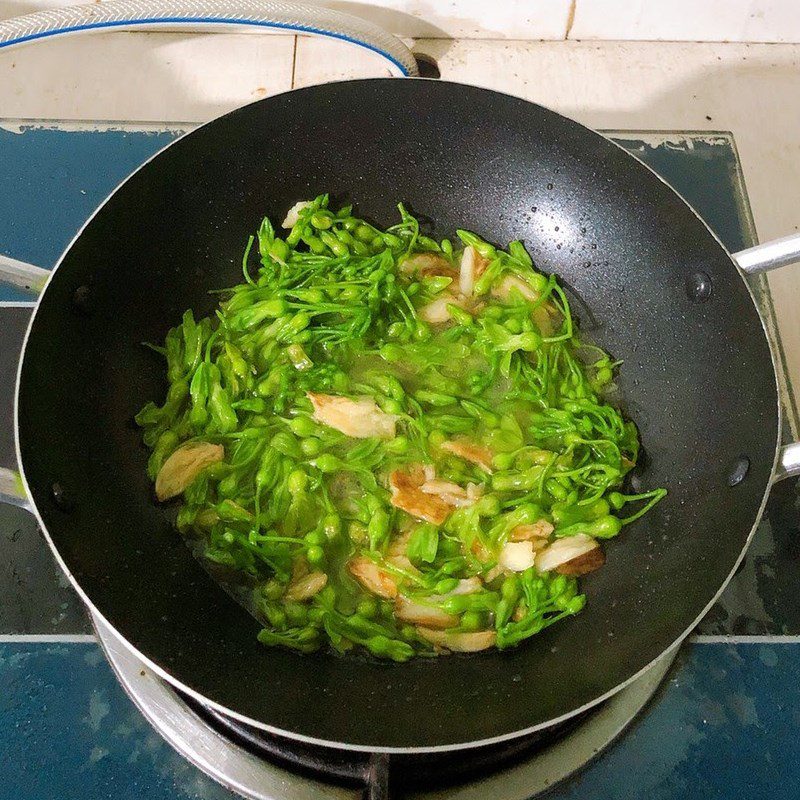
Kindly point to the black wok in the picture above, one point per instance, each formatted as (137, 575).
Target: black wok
(654, 284)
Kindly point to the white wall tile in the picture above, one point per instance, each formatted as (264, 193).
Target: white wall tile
(658, 20)
(152, 77)
(16, 8)
(687, 20)
(319, 60)
(772, 21)
(502, 19)
(465, 19)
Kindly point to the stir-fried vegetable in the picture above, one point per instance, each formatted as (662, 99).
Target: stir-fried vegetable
(397, 445)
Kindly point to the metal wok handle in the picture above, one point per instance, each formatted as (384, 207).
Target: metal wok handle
(769, 256)
(12, 492)
(763, 258)
(213, 15)
(14, 319)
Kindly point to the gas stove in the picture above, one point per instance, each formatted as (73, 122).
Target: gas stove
(261, 766)
(719, 721)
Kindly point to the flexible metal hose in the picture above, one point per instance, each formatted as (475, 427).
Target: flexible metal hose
(208, 15)
(194, 15)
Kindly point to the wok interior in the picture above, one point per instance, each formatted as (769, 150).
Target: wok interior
(697, 378)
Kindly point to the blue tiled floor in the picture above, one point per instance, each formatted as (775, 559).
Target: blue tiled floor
(725, 726)
(69, 731)
(53, 180)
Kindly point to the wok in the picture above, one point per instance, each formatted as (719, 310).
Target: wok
(653, 283)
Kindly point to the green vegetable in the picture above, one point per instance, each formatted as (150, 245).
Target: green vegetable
(545, 600)
(568, 514)
(423, 544)
(308, 506)
(378, 529)
(603, 528)
(222, 414)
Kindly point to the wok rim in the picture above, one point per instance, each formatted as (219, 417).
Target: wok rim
(300, 737)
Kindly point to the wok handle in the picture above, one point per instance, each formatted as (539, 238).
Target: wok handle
(12, 492)
(213, 15)
(753, 261)
(23, 276)
(14, 318)
(770, 255)
(788, 465)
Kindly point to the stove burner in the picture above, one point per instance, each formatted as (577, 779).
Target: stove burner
(383, 775)
(259, 766)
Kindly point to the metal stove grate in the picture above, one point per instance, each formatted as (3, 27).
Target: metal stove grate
(380, 775)
(260, 766)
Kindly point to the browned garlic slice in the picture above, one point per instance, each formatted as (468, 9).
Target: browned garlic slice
(415, 613)
(540, 529)
(436, 311)
(472, 267)
(543, 316)
(360, 418)
(428, 264)
(408, 496)
(477, 454)
(184, 465)
(572, 555)
(459, 642)
(372, 577)
(306, 587)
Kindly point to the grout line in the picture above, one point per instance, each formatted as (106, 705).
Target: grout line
(570, 18)
(77, 638)
(17, 303)
(13, 124)
(48, 638)
(745, 639)
(294, 61)
(89, 638)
